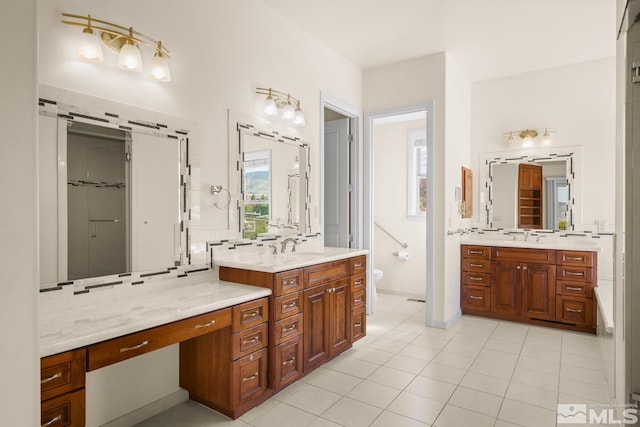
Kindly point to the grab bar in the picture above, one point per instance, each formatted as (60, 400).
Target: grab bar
(404, 245)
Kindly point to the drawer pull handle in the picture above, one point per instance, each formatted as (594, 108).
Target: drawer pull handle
(475, 297)
(357, 264)
(289, 328)
(357, 325)
(52, 421)
(51, 378)
(571, 273)
(573, 310)
(572, 258)
(476, 265)
(358, 282)
(475, 252)
(206, 325)
(290, 361)
(249, 315)
(476, 279)
(572, 288)
(290, 282)
(251, 341)
(290, 305)
(135, 347)
(252, 377)
(358, 301)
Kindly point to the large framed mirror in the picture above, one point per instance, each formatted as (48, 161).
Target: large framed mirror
(115, 195)
(532, 189)
(270, 182)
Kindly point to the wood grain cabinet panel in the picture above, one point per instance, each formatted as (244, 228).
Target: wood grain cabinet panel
(288, 282)
(249, 340)
(358, 265)
(576, 311)
(475, 251)
(250, 314)
(476, 265)
(288, 366)
(476, 297)
(62, 373)
(359, 321)
(249, 377)
(538, 291)
(288, 328)
(316, 332)
(326, 272)
(67, 410)
(576, 258)
(287, 306)
(505, 288)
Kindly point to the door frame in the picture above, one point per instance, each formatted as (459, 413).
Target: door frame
(369, 197)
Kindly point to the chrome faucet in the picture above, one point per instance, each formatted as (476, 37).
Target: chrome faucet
(283, 245)
(274, 250)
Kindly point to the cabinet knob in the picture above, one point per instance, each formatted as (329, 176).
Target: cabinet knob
(524, 268)
(517, 267)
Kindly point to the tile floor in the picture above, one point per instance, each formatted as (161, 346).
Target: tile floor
(480, 372)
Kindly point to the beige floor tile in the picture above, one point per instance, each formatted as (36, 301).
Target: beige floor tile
(370, 355)
(387, 345)
(429, 341)
(583, 374)
(331, 380)
(354, 367)
(321, 422)
(417, 352)
(503, 423)
(497, 370)
(502, 345)
(259, 410)
(468, 339)
(496, 356)
(485, 383)
(283, 415)
(309, 398)
(536, 379)
(416, 407)
(533, 395)
(540, 352)
(431, 388)
(584, 390)
(406, 363)
(538, 365)
(374, 394)
(462, 349)
(389, 419)
(391, 377)
(526, 414)
(452, 359)
(453, 416)
(477, 401)
(444, 373)
(401, 336)
(582, 361)
(352, 413)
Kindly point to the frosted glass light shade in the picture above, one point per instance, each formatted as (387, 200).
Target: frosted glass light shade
(269, 107)
(299, 120)
(160, 68)
(288, 112)
(129, 58)
(88, 47)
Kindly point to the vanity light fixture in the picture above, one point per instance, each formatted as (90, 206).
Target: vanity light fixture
(124, 40)
(528, 136)
(288, 106)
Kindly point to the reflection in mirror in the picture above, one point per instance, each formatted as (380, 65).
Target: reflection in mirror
(111, 200)
(273, 183)
(532, 191)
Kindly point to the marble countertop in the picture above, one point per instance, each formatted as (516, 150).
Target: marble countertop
(558, 244)
(65, 328)
(266, 262)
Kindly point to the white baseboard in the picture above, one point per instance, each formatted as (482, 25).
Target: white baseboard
(149, 410)
(450, 321)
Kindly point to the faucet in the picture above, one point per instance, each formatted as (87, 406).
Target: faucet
(283, 246)
(526, 235)
(274, 250)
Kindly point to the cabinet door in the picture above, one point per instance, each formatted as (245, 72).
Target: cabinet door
(340, 317)
(539, 291)
(505, 288)
(316, 332)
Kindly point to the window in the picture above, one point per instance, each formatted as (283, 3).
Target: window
(417, 182)
(257, 192)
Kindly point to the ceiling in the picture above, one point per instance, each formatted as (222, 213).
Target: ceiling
(488, 38)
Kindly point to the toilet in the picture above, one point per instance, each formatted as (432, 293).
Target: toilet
(377, 275)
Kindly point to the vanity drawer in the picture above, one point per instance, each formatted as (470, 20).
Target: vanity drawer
(577, 274)
(287, 282)
(472, 251)
(476, 265)
(287, 328)
(62, 373)
(576, 258)
(288, 362)
(249, 376)
(118, 349)
(287, 305)
(537, 256)
(574, 310)
(478, 279)
(476, 297)
(358, 282)
(327, 272)
(358, 265)
(578, 289)
(359, 320)
(250, 314)
(358, 299)
(249, 340)
(67, 410)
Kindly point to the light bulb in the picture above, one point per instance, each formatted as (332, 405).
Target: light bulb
(546, 138)
(160, 67)
(288, 112)
(88, 47)
(129, 58)
(269, 107)
(299, 120)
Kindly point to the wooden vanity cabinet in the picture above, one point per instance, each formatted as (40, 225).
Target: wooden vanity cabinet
(540, 286)
(62, 389)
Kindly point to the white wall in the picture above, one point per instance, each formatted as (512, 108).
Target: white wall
(390, 166)
(577, 100)
(19, 364)
(220, 52)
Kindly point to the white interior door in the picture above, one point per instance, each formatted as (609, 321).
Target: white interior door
(336, 183)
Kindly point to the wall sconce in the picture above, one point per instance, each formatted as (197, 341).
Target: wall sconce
(528, 136)
(288, 105)
(124, 40)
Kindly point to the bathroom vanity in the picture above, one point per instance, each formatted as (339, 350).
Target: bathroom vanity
(531, 283)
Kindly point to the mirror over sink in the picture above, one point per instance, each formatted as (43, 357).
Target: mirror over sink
(533, 189)
(270, 182)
